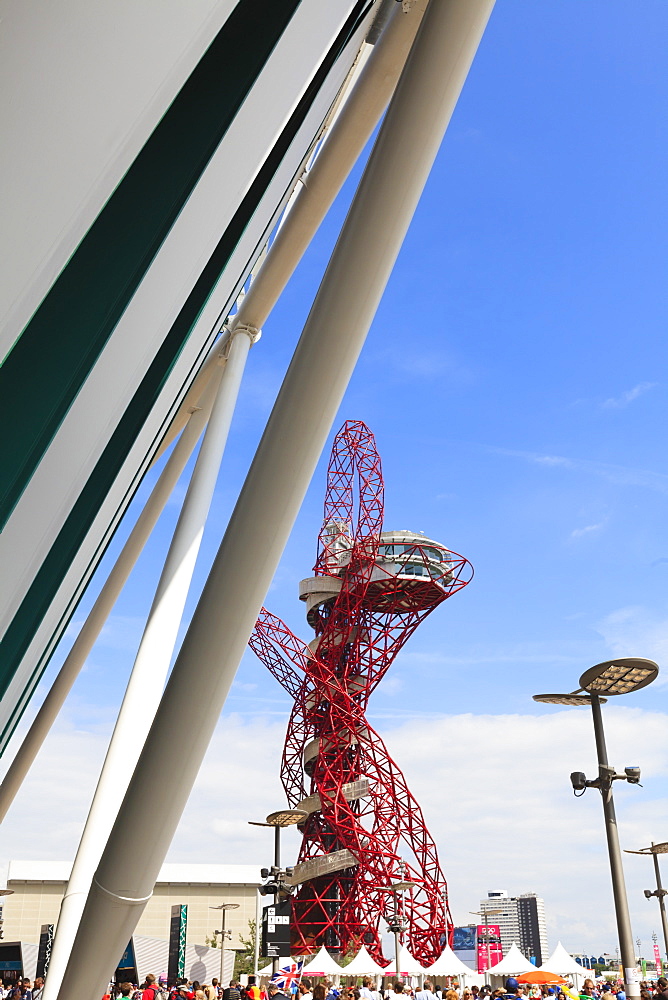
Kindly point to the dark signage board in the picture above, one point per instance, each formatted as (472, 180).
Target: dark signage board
(44, 951)
(126, 971)
(275, 941)
(176, 968)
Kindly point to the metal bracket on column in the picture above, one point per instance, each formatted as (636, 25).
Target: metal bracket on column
(252, 332)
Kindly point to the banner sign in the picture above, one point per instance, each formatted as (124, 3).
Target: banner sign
(178, 924)
(44, 952)
(491, 935)
(657, 958)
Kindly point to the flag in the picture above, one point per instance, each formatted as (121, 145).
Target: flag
(288, 976)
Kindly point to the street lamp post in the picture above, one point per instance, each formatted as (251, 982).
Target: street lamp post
(279, 819)
(655, 850)
(486, 914)
(224, 907)
(613, 677)
(397, 925)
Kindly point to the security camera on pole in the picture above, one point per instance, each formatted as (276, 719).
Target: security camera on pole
(224, 907)
(613, 677)
(655, 850)
(275, 883)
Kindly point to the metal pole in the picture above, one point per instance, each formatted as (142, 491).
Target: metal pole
(268, 504)
(222, 949)
(662, 904)
(258, 920)
(397, 938)
(151, 666)
(277, 864)
(84, 642)
(489, 957)
(616, 869)
(317, 189)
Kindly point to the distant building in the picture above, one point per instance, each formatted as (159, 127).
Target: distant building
(521, 920)
(38, 888)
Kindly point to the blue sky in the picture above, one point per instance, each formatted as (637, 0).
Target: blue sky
(515, 380)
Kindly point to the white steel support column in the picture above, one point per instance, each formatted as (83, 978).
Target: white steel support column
(352, 129)
(104, 602)
(151, 666)
(275, 486)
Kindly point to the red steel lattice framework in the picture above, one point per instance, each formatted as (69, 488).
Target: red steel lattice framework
(363, 607)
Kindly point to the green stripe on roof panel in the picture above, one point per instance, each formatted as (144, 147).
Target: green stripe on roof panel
(43, 373)
(45, 585)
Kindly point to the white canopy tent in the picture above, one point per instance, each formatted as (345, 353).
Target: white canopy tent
(322, 964)
(447, 964)
(363, 965)
(562, 963)
(409, 966)
(513, 964)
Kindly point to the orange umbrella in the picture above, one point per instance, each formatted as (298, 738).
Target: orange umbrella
(541, 978)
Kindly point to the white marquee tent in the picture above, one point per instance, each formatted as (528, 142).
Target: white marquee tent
(562, 963)
(513, 964)
(363, 965)
(447, 964)
(322, 964)
(409, 966)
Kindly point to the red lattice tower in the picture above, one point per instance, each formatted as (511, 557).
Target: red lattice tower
(365, 830)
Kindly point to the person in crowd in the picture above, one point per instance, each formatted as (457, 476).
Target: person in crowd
(513, 988)
(252, 989)
(231, 992)
(21, 991)
(427, 991)
(150, 989)
(331, 992)
(212, 991)
(38, 989)
(275, 993)
(126, 989)
(661, 989)
(304, 990)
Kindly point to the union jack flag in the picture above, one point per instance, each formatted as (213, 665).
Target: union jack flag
(288, 976)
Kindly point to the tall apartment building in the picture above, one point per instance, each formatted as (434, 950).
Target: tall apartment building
(522, 920)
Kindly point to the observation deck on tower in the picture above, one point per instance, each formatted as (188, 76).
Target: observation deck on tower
(410, 572)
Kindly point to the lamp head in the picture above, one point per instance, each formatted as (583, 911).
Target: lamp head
(572, 700)
(622, 676)
(286, 817)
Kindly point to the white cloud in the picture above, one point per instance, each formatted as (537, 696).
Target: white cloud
(620, 475)
(636, 631)
(494, 790)
(627, 397)
(587, 530)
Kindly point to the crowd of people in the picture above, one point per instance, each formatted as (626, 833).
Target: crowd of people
(324, 989)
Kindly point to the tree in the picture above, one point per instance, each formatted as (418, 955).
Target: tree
(244, 961)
